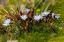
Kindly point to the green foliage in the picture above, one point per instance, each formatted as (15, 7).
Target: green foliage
(34, 37)
(2, 39)
(43, 6)
(2, 18)
(37, 33)
(57, 39)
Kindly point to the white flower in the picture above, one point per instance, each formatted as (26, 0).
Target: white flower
(57, 16)
(37, 17)
(6, 22)
(27, 10)
(45, 13)
(23, 17)
(53, 15)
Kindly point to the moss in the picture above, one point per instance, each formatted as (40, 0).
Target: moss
(57, 39)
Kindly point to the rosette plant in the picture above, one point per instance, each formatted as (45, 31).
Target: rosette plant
(25, 15)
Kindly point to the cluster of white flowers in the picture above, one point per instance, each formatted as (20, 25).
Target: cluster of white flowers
(57, 16)
(36, 17)
(6, 22)
(40, 17)
(24, 17)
